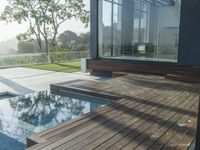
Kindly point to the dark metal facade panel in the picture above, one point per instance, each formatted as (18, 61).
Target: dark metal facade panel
(94, 29)
(189, 42)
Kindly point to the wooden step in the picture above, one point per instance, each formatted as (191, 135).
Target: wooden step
(187, 73)
(119, 74)
(183, 78)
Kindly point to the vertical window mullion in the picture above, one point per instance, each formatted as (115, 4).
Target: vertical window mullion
(147, 25)
(139, 30)
(112, 9)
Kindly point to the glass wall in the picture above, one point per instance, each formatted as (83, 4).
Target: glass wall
(110, 23)
(139, 29)
(140, 21)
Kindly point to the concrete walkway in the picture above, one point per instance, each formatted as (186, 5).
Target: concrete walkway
(24, 80)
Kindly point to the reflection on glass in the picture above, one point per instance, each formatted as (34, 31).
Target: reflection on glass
(105, 30)
(110, 28)
(139, 29)
(136, 26)
(140, 22)
(24, 115)
(116, 42)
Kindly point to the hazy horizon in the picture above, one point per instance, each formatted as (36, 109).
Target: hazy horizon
(11, 30)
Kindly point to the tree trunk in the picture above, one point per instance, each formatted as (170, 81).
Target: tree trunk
(40, 44)
(49, 58)
(47, 50)
(54, 43)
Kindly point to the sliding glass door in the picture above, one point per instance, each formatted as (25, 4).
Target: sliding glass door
(110, 28)
(139, 29)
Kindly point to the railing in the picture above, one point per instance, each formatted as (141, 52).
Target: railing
(40, 58)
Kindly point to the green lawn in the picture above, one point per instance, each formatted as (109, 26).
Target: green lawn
(59, 67)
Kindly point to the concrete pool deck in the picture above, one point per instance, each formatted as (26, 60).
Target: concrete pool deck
(21, 80)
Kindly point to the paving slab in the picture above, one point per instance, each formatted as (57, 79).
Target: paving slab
(21, 80)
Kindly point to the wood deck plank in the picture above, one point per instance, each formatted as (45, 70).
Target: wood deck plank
(145, 117)
(102, 110)
(116, 140)
(183, 127)
(162, 132)
(80, 143)
(153, 121)
(146, 144)
(88, 119)
(116, 113)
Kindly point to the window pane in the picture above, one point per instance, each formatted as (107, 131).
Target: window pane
(168, 30)
(136, 25)
(117, 1)
(139, 29)
(137, 4)
(144, 27)
(144, 6)
(117, 24)
(105, 23)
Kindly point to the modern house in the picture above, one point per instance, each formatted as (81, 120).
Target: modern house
(156, 36)
(135, 111)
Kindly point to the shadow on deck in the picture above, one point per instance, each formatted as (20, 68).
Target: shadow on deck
(152, 113)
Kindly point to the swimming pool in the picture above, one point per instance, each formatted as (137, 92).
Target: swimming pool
(4, 95)
(24, 115)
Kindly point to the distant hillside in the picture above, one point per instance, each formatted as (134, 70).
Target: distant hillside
(9, 46)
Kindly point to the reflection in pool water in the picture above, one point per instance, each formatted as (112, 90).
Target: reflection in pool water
(33, 113)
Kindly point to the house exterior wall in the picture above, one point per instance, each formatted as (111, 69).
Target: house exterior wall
(189, 34)
(94, 29)
(189, 41)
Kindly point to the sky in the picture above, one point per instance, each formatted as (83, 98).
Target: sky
(11, 30)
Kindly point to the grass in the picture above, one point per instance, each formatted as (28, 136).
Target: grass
(58, 67)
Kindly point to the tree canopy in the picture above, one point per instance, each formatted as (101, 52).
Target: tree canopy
(68, 37)
(28, 47)
(44, 18)
(75, 42)
(67, 41)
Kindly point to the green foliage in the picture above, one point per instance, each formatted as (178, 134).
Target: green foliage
(58, 53)
(59, 48)
(28, 59)
(67, 38)
(85, 37)
(22, 60)
(75, 42)
(25, 47)
(44, 17)
(28, 47)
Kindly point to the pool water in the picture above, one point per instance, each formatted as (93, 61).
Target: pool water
(6, 95)
(24, 115)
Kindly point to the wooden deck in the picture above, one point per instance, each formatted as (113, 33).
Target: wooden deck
(152, 113)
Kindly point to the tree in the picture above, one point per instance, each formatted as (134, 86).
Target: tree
(84, 42)
(85, 37)
(25, 47)
(67, 38)
(75, 42)
(44, 17)
(29, 47)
